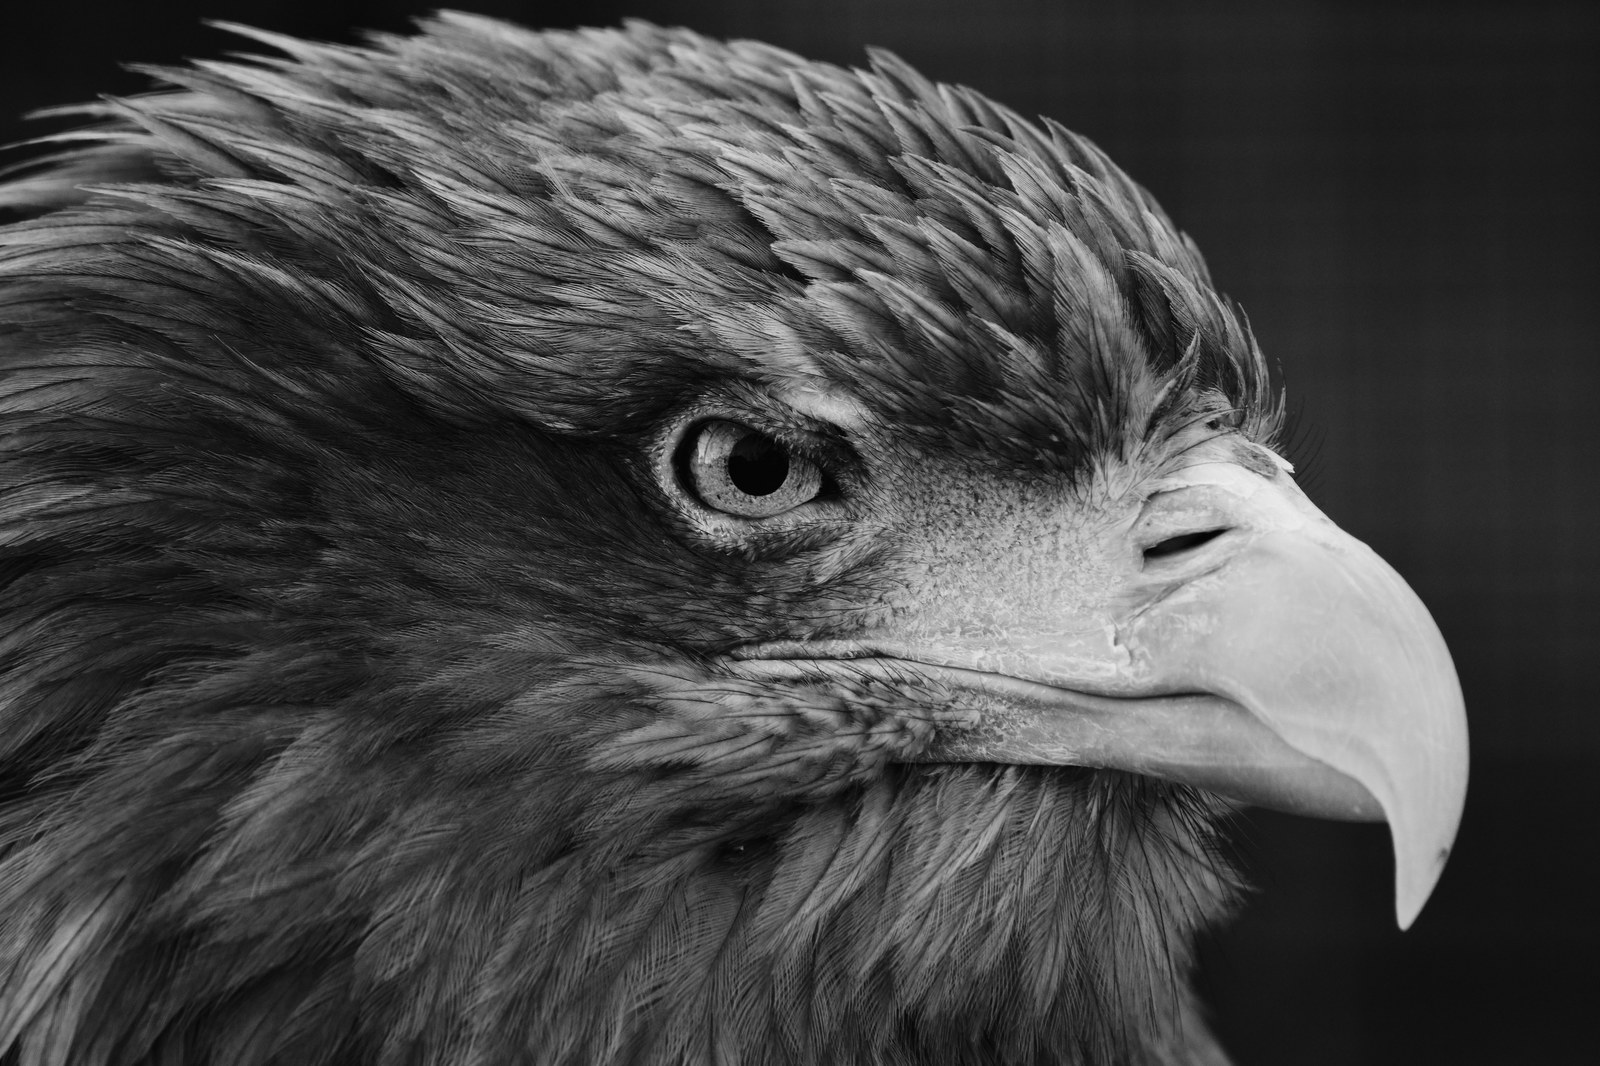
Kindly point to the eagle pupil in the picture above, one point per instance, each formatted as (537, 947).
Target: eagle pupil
(758, 465)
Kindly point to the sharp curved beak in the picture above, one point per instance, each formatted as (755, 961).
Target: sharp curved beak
(1237, 640)
(1325, 645)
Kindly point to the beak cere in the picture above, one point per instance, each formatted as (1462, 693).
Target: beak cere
(1232, 638)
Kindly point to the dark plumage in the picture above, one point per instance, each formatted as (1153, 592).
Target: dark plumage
(519, 548)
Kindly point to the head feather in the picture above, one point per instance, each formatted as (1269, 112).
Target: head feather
(625, 198)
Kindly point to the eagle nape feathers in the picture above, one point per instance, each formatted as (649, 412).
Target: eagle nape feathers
(613, 547)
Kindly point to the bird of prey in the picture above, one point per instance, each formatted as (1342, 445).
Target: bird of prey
(614, 547)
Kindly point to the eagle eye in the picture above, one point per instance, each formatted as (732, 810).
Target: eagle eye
(741, 471)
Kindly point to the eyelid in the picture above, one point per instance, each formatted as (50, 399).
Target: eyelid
(827, 406)
(795, 426)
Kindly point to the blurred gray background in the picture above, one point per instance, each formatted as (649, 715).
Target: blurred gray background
(1403, 197)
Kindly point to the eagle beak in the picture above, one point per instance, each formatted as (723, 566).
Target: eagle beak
(1244, 644)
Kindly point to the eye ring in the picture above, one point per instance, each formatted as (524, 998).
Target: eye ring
(737, 470)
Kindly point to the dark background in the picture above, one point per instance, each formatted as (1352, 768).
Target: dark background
(1403, 196)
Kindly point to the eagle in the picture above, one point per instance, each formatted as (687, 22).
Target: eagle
(614, 547)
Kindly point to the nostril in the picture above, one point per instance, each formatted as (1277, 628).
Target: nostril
(1181, 543)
